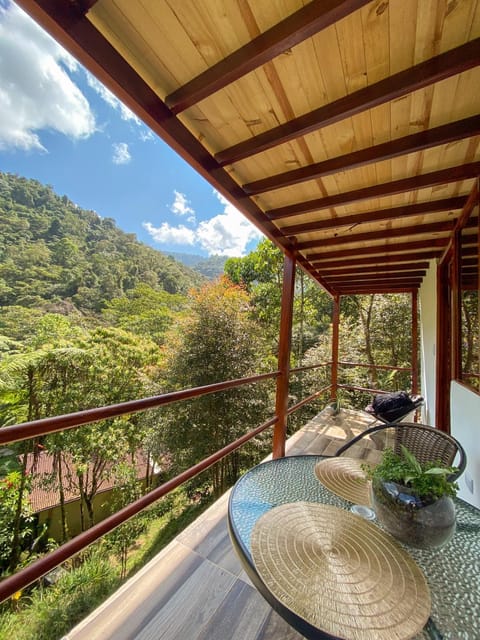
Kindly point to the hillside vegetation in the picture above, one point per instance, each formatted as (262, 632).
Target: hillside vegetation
(51, 250)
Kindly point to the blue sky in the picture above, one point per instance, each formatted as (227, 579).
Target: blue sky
(60, 126)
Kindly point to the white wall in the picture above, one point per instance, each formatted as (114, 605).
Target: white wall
(465, 426)
(464, 404)
(428, 336)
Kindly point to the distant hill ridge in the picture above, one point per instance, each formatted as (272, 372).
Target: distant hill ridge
(51, 250)
(210, 267)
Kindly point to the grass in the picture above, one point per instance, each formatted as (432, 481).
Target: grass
(50, 613)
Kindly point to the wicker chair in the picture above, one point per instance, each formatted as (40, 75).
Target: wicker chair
(426, 443)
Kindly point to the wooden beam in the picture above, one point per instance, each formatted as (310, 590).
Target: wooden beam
(400, 84)
(414, 343)
(361, 282)
(299, 26)
(382, 234)
(470, 204)
(335, 345)
(375, 261)
(405, 275)
(284, 349)
(352, 291)
(370, 253)
(381, 268)
(414, 143)
(412, 183)
(393, 213)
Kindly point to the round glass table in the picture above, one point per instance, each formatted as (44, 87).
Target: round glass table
(452, 572)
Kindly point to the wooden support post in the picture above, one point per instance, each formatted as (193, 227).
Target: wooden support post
(456, 310)
(335, 342)
(414, 342)
(284, 348)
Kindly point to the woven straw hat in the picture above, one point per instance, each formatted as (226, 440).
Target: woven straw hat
(340, 573)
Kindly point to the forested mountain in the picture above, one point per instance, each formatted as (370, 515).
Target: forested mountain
(52, 250)
(211, 267)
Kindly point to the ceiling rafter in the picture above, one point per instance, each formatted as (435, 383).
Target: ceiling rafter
(435, 227)
(376, 262)
(418, 245)
(421, 75)
(393, 213)
(380, 289)
(299, 26)
(466, 128)
(346, 291)
(388, 287)
(384, 268)
(408, 275)
(413, 282)
(412, 183)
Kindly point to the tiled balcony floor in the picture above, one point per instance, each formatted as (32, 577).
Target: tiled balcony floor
(195, 588)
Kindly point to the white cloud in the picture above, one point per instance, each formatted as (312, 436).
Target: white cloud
(35, 90)
(111, 99)
(180, 205)
(168, 234)
(226, 234)
(146, 135)
(121, 154)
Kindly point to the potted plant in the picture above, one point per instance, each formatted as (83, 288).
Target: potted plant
(413, 501)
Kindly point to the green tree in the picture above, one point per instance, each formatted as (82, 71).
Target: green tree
(12, 489)
(145, 311)
(218, 341)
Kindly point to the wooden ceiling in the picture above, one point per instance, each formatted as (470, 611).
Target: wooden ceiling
(347, 131)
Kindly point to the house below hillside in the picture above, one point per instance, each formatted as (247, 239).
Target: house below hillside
(45, 494)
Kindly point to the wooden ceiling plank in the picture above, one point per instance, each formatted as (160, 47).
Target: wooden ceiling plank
(400, 84)
(421, 208)
(418, 245)
(436, 227)
(412, 183)
(466, 128)
(296, 28)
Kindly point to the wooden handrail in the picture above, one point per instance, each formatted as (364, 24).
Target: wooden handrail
(40, 567)
(353, 388)
(43, 565)
(310, 366)
(45, 426)
(309, 399)
(374, 366)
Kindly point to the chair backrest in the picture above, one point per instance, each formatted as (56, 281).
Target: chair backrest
(426, 443)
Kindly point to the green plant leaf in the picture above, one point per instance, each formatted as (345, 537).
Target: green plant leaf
(437, 471)
(412, 461)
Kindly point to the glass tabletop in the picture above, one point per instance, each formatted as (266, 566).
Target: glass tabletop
(452, 572)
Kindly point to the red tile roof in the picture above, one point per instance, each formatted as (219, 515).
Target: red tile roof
(44, 471)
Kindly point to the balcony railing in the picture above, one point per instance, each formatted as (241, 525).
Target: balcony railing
(46, 426)
(27, 430)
